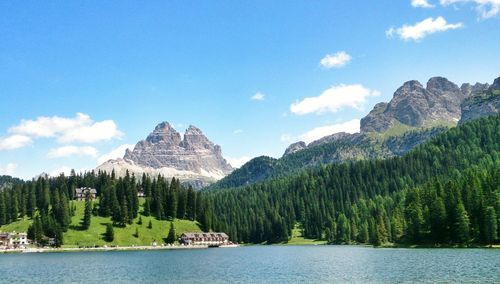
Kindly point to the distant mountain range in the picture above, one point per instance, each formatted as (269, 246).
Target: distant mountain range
(414, 115)
(193, 159)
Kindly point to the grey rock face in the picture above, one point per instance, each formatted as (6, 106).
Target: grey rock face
(194, 159)
(482, 104)
(164, 148)
(295, 147)
(437, 106)
(329, 139)
(416, 106)
(468, 89)
(374, 121)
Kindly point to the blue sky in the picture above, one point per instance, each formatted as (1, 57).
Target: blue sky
(80, 79)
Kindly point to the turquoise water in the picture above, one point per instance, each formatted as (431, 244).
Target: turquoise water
(257, 264)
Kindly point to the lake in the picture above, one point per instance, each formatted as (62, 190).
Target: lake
(257, 264)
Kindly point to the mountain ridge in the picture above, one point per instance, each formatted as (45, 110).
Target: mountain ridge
(193, 158)
(414, 115)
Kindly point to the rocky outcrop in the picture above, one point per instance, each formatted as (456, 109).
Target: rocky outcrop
(330, 138)
(295, 147)
(415, 106)
(415, 114)
(482, 103)
(193, 159)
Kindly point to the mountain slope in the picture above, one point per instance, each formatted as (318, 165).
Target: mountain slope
(414, 115)
(377, 200)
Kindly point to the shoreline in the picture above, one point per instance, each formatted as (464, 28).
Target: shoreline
(99, 249)
(178, 247)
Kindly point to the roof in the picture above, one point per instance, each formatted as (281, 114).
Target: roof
(206, 235)
(85, 190)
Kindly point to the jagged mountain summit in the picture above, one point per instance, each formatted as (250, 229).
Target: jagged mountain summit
(193, 159)
(440, 104)
(414, 115)
(415, 106)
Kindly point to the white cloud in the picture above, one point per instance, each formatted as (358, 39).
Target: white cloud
(78, 129)
(334, 99)
(118, 152)
(14, 142)
(422, 29)
(238, 162)
(68, 151)
(421, 4)
(336, 60)
(258, 97)
(8, 169)
(485, 8)
(99, 131)
(238, 131)
(351, 126)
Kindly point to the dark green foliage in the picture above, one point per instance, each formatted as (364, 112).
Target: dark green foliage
(353, 148)
(171, 234)
(150, 225)
(437, 193)
(3, 210)
(109, 236)
(136, 234)
(87, 215)
(490, 225)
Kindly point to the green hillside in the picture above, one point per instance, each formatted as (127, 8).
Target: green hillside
(75, 237)
(443, 192)
(396, 142)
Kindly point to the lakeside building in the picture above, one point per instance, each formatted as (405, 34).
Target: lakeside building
(207, 239)
(13, 240)
(82, 192)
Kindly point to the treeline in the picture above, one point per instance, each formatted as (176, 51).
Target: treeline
(327, 201)
(164, 200)
(47, 201)
(453, 212)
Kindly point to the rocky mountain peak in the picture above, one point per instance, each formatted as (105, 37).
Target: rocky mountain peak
(415, 106)
(468, 89)
(496, 84)
(193, 159)
(165, 133)
(410, 85)
(194, 138)
(295, 147)
(441, 84)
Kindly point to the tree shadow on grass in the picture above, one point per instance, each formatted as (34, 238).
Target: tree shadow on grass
(76, 227)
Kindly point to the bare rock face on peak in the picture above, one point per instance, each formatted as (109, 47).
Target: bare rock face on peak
(482, 102)
(415, 106)
(193, 159)
(295, 147)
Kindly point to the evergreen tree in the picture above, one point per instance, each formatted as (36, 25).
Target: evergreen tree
(438, 220)
(3, 211)
(490, 227)
(87, 215)
(150, 225)
(136, 234)
(461, 225)
(171, 234)
(343, 229)
(147, 207)
(109, 236)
